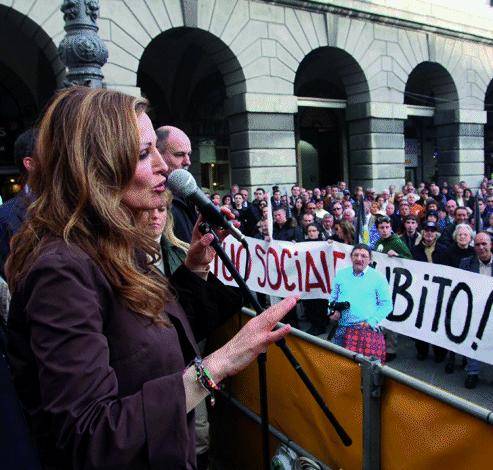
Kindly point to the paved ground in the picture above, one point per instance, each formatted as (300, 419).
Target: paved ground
(434, 373)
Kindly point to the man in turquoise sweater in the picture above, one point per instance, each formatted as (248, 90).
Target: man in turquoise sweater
(368, 294)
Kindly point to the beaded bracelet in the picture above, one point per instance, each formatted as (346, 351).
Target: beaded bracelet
(204, 378)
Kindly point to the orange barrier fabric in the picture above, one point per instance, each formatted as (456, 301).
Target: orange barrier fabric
(420, 432)
(294, 412)
(417, 431)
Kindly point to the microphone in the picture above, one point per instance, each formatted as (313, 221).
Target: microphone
(183, 184)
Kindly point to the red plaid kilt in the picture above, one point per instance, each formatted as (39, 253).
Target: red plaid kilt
(365, 341)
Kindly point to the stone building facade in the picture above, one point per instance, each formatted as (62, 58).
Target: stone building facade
(274, 92)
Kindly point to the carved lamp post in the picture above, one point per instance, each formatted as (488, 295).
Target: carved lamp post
(82, 50)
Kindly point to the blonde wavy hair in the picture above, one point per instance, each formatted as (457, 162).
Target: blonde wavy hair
(86, 155)
(168, 230)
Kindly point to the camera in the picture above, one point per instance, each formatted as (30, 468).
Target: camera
(333, 306)
(340, 306)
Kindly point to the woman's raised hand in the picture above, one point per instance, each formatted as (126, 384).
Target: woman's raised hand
(250, 341)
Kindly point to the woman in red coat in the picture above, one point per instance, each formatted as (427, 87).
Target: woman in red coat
(99, 341)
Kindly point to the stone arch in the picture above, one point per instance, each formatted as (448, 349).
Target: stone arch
(191, 53)
(430, 84)
(333, 75)
(330, 72)
(432, 143)
(29, 74)
(188, 75)
(35, 59)
(488, 129)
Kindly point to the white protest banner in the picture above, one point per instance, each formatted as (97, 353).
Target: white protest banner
(434, 303)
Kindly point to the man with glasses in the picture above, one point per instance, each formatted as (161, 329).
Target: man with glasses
(337, 211)
(370, 194)
(328, 232)
(369, 297)
(310, 208)
(301, 233)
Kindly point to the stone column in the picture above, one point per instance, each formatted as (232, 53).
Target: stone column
(376, 145)
(82, 50)
(262, 140)
(460, 145)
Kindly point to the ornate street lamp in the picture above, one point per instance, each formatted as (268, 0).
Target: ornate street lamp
(82, 50)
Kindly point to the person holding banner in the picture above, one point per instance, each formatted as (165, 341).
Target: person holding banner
(428, 251)
(481, 263)
(315, 309)
(389, 242)
(392, 245)
(369, 296)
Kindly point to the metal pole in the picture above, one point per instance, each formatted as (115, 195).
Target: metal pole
(371, 386)
(82, 50)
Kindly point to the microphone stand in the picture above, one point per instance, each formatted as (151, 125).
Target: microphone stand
(262, 359)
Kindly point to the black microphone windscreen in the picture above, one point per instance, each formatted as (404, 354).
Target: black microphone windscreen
(182, 183)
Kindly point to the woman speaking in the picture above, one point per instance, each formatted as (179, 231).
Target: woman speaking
(103, 347)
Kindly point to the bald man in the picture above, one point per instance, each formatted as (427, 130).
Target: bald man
(175, 148)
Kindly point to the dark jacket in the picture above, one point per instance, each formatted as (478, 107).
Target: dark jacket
(285, 233)
(453, 255)
(12, 215)
(446, 240)
(396, 222)
(102, 386)
(418, 252)
(247, 220)
(173, 257)
(184, 217)
(256, 211)
(471, 263)
(410, 241)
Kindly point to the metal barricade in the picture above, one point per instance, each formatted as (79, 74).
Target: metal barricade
(391, 416)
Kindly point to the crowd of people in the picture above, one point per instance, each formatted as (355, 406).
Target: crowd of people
(430, 223)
